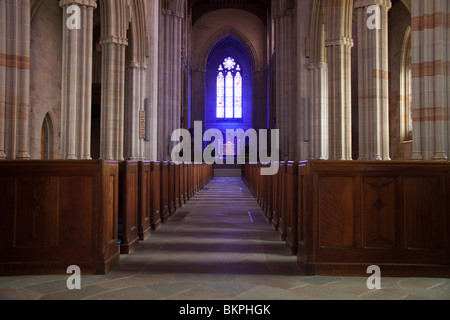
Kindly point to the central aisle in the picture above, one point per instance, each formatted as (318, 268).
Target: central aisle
(220, 231)
(218, 245)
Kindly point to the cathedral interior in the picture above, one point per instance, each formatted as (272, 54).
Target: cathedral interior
(107, 109)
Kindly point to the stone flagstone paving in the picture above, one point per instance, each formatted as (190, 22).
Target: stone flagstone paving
(218, 246)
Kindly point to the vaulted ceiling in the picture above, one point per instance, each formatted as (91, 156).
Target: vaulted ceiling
(198, 8)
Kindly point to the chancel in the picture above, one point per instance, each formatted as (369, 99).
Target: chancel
(110, 113)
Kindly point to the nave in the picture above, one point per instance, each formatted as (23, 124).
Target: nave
(218, 246)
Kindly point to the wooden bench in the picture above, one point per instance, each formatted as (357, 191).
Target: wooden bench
(178, 197)
(155, 195)
(353, 214)
(172, 183)
(56, 214)
(164, 192)
(145, 199)
(128, 205)
(292, 206)
(282, 204)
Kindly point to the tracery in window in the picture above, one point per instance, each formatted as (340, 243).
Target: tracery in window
(229, 90)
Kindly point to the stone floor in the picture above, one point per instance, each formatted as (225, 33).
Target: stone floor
(217, 247)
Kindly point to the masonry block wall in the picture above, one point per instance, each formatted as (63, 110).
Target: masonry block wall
(45, 77)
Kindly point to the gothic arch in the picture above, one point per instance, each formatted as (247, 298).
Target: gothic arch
(115, 18)
(407, 4)
(229, 47)
(47, 138)
(220, 35)
(35, 6)
(316, 33)
(138, 30)
(405, 65)
(45, 78)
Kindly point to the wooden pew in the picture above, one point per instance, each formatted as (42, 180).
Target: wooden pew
(56, 214)
(190, 187)
(178, 198)
(276, 200)
(391, 214)
(186, 167)
(269, 196)
(302, 207)
(155, 194)
(181, 180)
(282, 203)
(172, 199)
(292, 206)
(164, 192)
(128, 205)
(144, 205)
(265, 190)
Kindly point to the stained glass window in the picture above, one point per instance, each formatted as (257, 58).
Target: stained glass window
(229, 90)
(220, 95)
(238, 95)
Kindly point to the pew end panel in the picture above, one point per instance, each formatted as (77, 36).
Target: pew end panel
(144, 208)
(128, 205)
(155, 193)
(56, 214)
(164, 192)
(391, 214)
(292, 207)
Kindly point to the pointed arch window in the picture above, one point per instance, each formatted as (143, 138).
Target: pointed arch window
(229, 90)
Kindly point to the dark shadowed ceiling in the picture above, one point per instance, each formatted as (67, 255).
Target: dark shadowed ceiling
(198, 8)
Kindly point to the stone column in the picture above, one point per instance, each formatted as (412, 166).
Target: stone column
(318, 108)
(14, 79)
(285, 73)
(339, 43)
(3, 70)
(113, 97)
(169, 108)
(152, 76)
(77, 82)
(431, 85)
(134, 105)
(373, 79)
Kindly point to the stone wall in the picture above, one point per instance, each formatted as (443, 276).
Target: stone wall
(45, 76)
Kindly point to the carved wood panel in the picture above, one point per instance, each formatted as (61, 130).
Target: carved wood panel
(379, 212)
(425, 223)
(75, 229)
(36, 212)
(336, 212)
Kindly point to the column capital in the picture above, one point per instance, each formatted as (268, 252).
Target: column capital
(387, 4)
(81, 3)
(284, 13)
(318, 65)
(133, 65)
(136, 65)
(174, 13)
(342, 41)
(114, 39)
